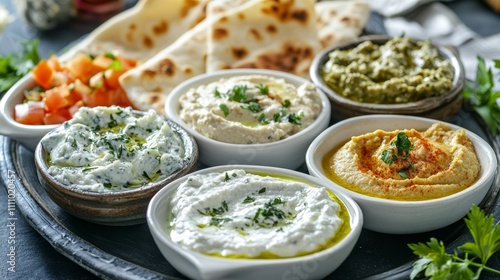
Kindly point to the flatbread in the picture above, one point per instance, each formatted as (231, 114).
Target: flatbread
(341, 22)
(143, 30)
(148, 85)
(272, 34)
(279, 35)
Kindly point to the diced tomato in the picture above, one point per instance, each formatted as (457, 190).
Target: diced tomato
(57, 117)
(102, 62)
(70, 85)
(111, 77)
(57, 98)
(120, 98)
(73, 109)
(97, 81)
(81, 67)
(43, 74)
(53, 61)
(99, 97)
(31, 112)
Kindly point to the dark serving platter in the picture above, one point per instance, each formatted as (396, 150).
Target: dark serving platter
(129, 252)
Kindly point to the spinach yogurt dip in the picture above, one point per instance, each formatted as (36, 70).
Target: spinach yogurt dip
(399, 71)
(237, 214)
(106, 149)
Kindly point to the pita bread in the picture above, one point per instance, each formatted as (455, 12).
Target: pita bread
(148, 84)
(341, 22)
(143, 30)
(271, 34)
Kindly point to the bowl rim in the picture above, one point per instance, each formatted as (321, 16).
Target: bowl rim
(478, 142)
(10, 98)
(420, 106)
(355, 216)
(172, 108)
(190, 160)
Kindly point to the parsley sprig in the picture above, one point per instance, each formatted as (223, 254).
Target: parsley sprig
(482, 96)
(16, 65)
(400, 148)
(471, 259)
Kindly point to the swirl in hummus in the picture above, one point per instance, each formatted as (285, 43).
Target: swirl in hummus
(250, 109)
(405, 164)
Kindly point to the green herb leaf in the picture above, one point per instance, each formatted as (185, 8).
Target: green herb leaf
(435, 263)
(248, 199)
(16, 65)
(254, 107)
(224, 109)
(238, 94)
(263, 89)
(482, 97)
(263, 190)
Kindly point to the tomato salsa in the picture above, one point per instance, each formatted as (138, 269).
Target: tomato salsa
(85, 80)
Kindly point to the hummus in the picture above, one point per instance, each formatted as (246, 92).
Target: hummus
(405, 164)
(106, 149)
(242, 215)
(250, 109)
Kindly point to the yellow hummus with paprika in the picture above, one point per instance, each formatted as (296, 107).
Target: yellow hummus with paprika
(405, 164)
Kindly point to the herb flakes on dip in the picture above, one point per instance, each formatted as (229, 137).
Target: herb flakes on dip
(236, 214)
(250, 109)
(105, 149)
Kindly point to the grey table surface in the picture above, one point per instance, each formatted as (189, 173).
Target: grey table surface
(35, 257)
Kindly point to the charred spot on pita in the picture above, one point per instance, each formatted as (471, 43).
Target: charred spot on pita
(300, 15)
(271, 28)
(219, 33)
(167, 67)
(160, 28)
(255, 33)
(148, 43)
(239, 53)
(188, 4)
(188, 70)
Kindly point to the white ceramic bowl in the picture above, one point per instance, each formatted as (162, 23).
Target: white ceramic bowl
(404, 217)
(288, 153)
(198, 266)
(27, 135)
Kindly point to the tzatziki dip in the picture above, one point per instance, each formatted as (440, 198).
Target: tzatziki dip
(236, 214)
(105, 149)
(250, 109)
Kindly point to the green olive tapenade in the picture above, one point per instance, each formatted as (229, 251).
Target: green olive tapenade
(399, 71)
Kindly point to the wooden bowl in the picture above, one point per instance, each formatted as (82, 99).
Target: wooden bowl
(442, 107)
(118, 208)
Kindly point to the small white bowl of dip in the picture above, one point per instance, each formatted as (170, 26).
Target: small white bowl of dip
(198, 265)
(288, 152)
(391, 214)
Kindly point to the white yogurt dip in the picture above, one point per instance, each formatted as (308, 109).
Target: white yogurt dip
(243, 215)
(105, 149)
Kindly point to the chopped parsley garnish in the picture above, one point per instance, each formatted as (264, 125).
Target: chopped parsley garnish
(262, 119)
(263, 190)
(270, 215)
(107, 185)
(238, 94)
(224, 109)
(253, 106)
(263, 89)
(214, 221)
(110, 55)
(226, 178)
(400, 148)
(286, 103)
(217, 93)
(116, 65)
(146, 175)
(248, 199)
(215, 211)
